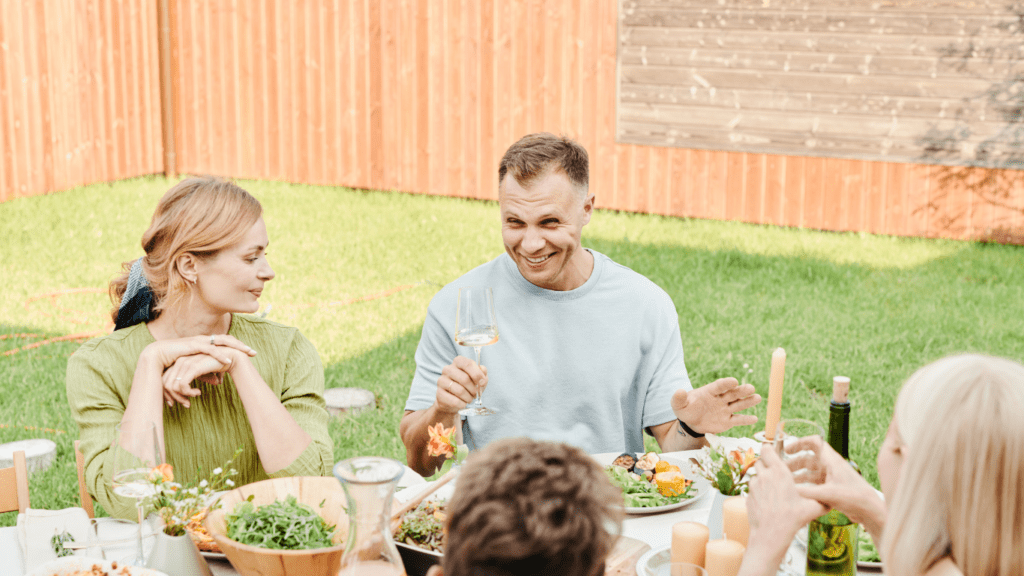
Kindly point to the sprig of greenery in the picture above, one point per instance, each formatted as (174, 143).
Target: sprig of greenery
(280, 525)
(177, 503)
(58, 541)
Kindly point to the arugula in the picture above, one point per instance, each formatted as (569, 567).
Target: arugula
(640, 493)
(287, 525)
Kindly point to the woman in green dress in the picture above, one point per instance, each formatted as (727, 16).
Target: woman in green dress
(188, 356)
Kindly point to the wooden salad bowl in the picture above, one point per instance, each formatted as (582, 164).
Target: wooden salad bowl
(255, 561)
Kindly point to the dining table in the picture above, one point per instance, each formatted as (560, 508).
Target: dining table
(654, 530)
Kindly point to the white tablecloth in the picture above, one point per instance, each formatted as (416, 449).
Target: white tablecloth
(654, 529)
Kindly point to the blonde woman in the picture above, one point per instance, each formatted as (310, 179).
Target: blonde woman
(186, 356)
(951, 467)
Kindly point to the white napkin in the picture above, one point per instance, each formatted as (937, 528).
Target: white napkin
(37, 527)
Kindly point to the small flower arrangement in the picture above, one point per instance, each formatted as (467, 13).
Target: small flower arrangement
(177, 504)
(443, 442)
(726, 472)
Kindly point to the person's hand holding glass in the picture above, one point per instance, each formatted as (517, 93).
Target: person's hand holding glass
(476, 325)
(136, 457)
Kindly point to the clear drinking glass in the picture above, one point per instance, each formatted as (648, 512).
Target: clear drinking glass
(136, 454)
(476, 326)
(789, 431)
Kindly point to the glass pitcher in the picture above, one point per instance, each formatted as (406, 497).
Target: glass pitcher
(369, 483)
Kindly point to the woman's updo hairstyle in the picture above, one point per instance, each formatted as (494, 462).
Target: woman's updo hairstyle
(199, 216)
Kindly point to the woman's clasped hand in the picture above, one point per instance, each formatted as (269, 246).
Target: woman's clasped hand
(202, 358)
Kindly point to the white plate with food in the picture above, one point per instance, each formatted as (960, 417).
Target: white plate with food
(85, 566)
(643, 495)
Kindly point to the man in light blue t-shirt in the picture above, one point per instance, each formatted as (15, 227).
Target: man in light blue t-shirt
(589, 352)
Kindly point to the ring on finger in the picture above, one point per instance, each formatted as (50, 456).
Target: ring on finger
(211, 339)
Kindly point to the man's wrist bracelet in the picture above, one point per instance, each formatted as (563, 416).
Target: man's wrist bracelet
(683, 428)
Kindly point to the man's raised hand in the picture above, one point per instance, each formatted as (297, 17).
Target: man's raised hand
(713, 408)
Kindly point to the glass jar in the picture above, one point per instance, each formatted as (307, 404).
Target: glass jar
(369, 483)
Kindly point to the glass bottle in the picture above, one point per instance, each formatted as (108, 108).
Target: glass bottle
(369, 483)
(832, 538)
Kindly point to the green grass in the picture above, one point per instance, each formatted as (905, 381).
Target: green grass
(869, 307)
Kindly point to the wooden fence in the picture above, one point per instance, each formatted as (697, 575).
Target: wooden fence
(420, 96)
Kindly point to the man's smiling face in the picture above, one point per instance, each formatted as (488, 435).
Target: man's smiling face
(541, 226)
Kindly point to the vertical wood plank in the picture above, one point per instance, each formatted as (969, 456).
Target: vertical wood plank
(700, 163)
(876, 201)
(390, 153)
(814, 191)
(640, 178)
(33, 119)
(8, 183)
(604, 50)
(833, 198)
(551, 66)
(312, 116)
(453, 120)
(469, 24)
(793, 193)
(918, 211)
(895, 207)
(486, 186)
(234, 98)
(681, 183)
(734, 185)
(718, 183)
(437, 171)
(424, 98)
(774, 189)
(44, 97)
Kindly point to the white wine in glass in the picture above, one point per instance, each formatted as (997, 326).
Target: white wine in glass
(136, 454)
(476, 326)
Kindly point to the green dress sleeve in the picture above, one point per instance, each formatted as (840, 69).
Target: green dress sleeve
(97, 389)
(302, 395)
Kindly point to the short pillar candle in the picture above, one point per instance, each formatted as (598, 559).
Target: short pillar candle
(689, 540)
(735, 525)
(723, 557)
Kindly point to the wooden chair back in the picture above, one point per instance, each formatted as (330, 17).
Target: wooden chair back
(14, 485)
(83, 492)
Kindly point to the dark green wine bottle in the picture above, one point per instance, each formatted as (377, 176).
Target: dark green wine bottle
(832, 538)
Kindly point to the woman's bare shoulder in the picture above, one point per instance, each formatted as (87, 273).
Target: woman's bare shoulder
(944, 567)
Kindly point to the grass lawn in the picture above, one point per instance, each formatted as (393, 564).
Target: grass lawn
(869, 307)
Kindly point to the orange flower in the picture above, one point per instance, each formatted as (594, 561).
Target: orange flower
(744, 459)
(442, 441)
(163, 473)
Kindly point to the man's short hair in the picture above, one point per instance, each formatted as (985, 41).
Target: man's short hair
(524, 508)
(535, 154)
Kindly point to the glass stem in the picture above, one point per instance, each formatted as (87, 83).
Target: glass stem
(479, 401)
(142, 559)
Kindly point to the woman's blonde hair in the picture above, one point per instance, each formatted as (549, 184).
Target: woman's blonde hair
(199, 216)
(961, 488)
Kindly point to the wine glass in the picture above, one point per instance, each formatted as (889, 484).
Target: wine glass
(136, 454)
(477, 326)
(789, 431)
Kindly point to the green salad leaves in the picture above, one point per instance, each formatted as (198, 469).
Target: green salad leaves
(641, 493)
(287, 525)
